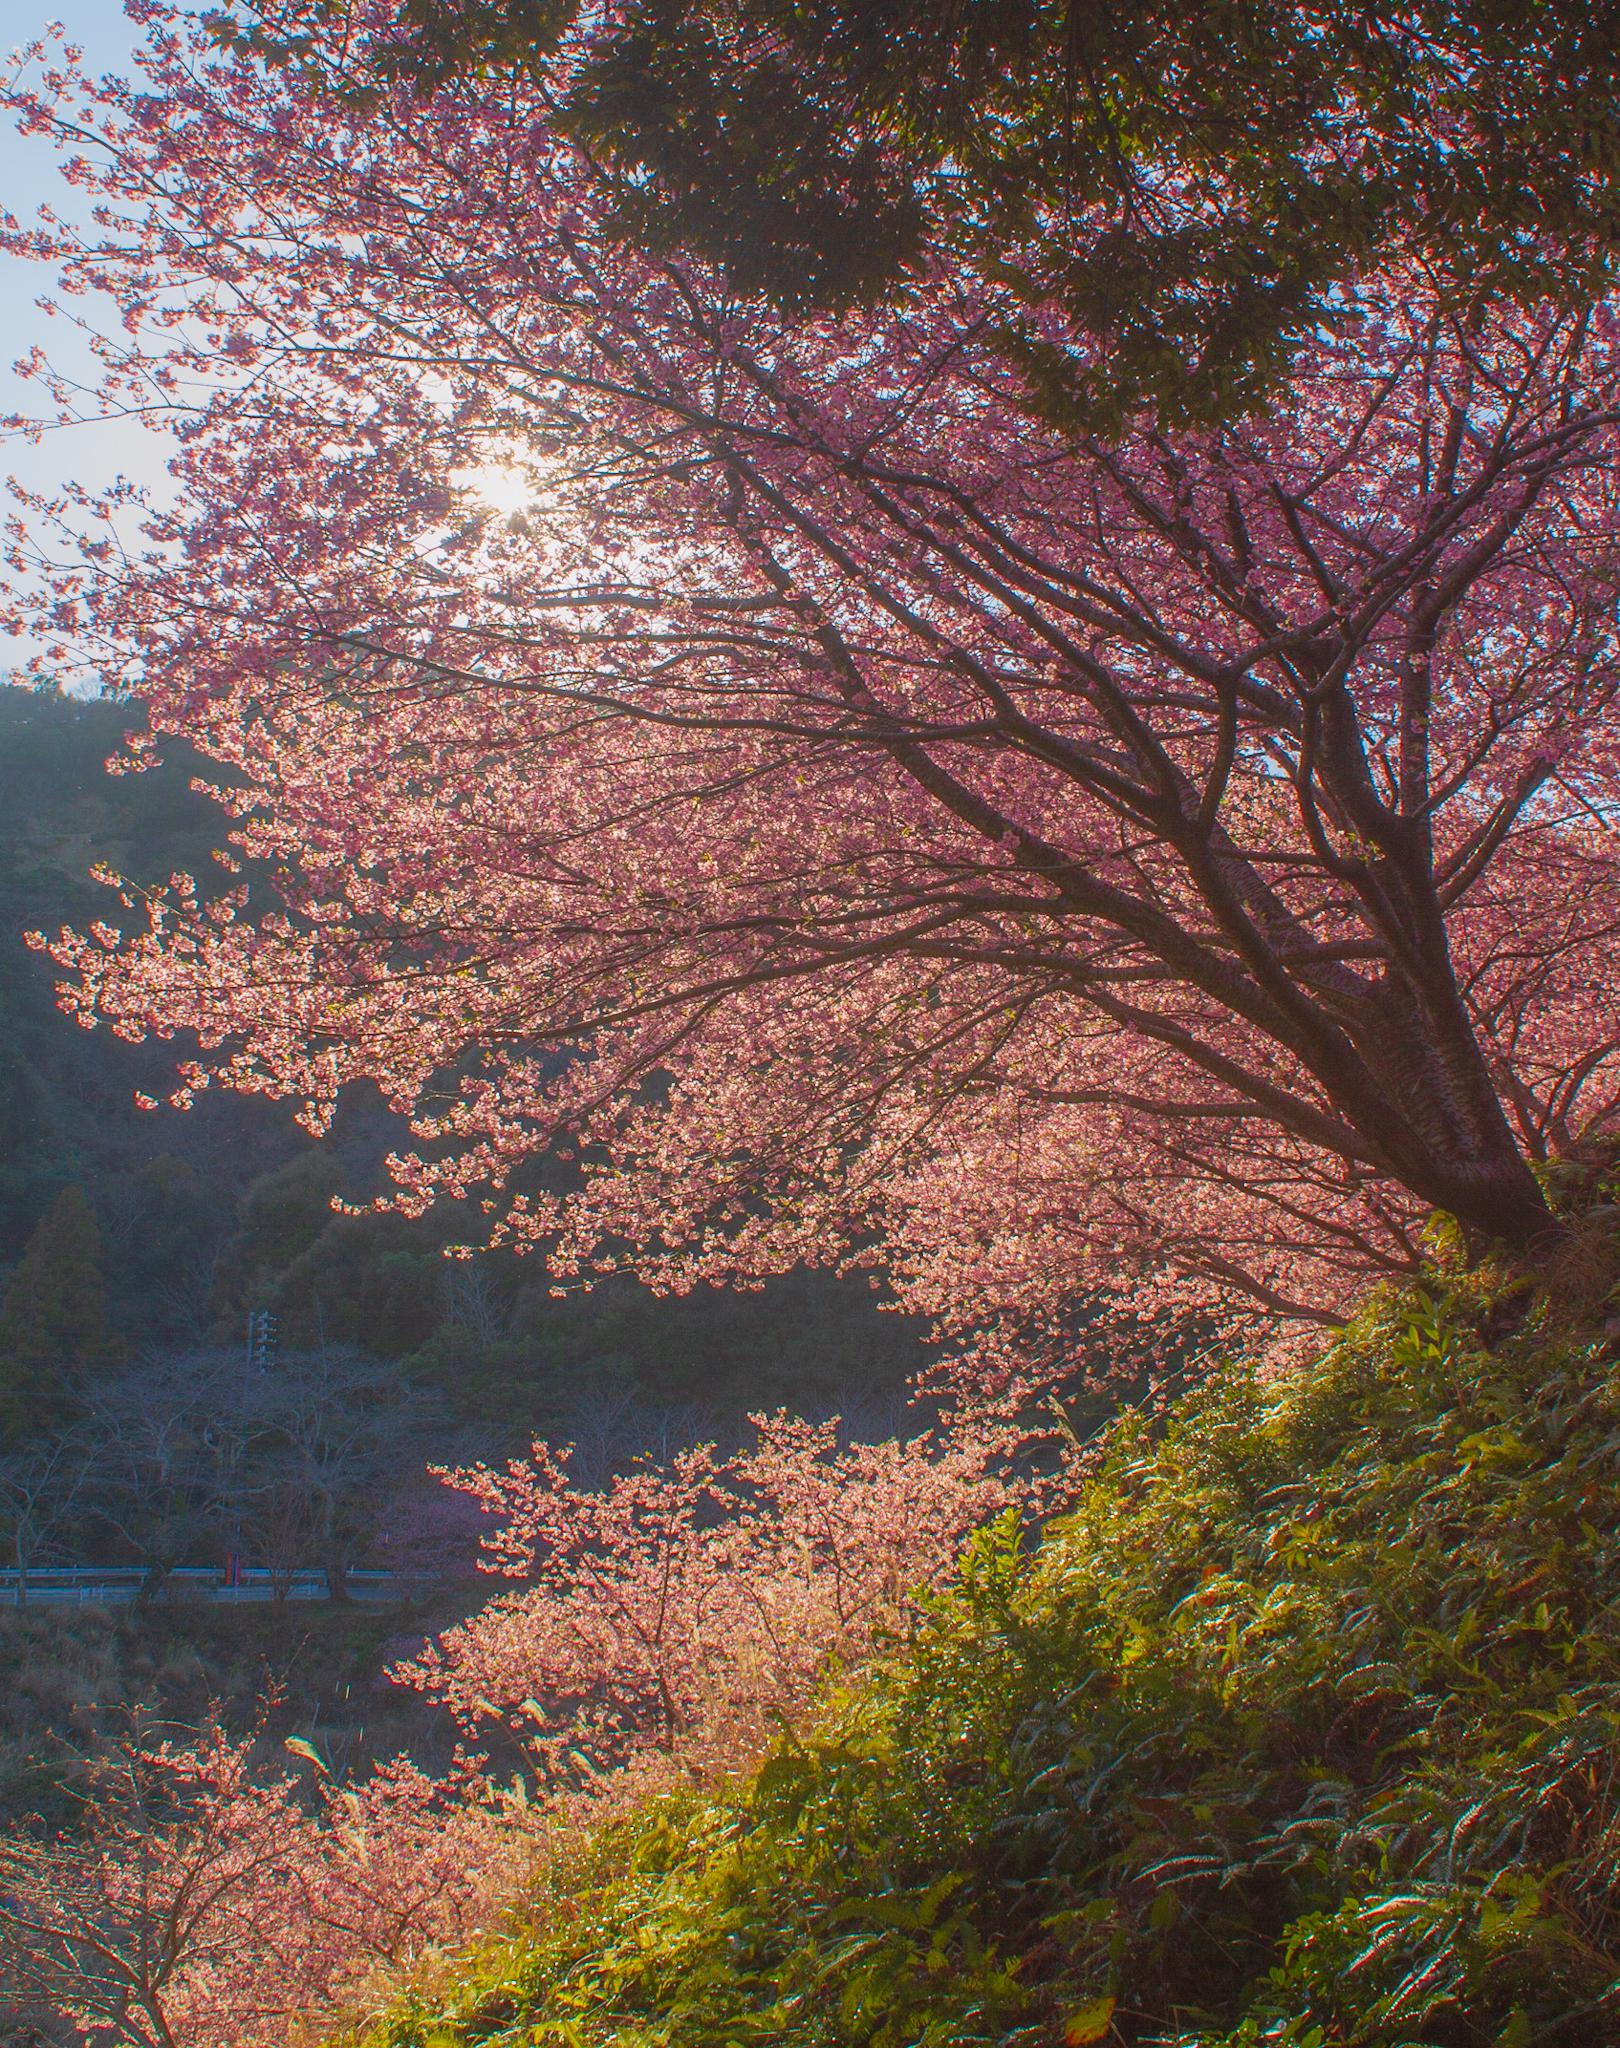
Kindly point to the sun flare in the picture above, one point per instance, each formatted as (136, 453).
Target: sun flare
(501, 487)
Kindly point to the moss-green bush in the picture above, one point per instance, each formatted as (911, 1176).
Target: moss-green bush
(1303, 1728)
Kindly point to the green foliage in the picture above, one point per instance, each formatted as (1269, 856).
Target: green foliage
(508, 1351)
(376, 1282)
(1301, 1729)
(805, 1340)
(1190, 182)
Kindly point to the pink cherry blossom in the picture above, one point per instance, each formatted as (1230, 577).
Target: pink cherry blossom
(204, 1897)
(199, 1900)
(684, 1607)
(850, 819)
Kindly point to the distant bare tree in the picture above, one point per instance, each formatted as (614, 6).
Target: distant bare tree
(43, 1483)
(174, 1436)
(188, 1300)
(299, 1462)
(472, 1300)
(280, 1522)
(338, 1438)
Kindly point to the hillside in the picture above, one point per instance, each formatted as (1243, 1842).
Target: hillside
(1300, 1729)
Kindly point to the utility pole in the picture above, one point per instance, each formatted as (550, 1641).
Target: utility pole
(263, 1336)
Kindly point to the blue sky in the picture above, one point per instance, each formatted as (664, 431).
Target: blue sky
(28, 176)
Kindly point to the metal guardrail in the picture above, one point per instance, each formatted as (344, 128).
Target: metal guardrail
(120, 1586)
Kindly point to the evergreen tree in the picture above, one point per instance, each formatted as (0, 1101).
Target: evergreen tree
(53, 1320)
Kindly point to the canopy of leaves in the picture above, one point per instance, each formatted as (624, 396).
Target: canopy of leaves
(1190, 181)
(1300, 1729)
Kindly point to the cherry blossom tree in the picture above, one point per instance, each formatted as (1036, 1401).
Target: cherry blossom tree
(679, 1608)
(199, 1901)
(760, 768)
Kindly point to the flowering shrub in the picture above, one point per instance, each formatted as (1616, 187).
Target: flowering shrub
(201, 1900)
(1301, 1730)
(682, 1606)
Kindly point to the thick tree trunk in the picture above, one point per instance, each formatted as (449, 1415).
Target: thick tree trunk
(1501, 1202)
(1423, 1049)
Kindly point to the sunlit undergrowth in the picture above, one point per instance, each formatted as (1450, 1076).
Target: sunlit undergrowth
(1302, 1729)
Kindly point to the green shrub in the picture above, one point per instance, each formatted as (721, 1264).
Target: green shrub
(1302, 1728)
